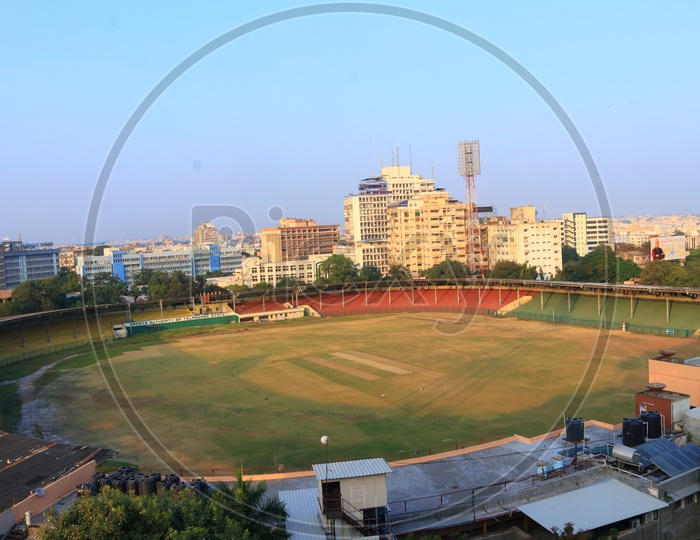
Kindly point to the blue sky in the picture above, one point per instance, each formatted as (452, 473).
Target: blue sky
(285, 117)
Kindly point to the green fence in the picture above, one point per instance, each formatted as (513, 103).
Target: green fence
(608, 324)
(40, 352)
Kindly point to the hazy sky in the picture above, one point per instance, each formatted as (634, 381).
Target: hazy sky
(285, 117)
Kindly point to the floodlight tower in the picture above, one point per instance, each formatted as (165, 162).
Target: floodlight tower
(469, 162)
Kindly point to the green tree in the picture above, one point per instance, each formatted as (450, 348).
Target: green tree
(113, 514)
(513, 270)
(238, 288)
(288, 282)
(448, 269)
(369, 273)
(263, 516)
(398, 272)
(657, 272)
(569, 254)
(106, 288)
(262, 286)
(693, 256)
(142, 277)
(337, 269)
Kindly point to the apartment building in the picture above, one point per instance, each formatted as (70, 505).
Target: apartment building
(297, 239)
(205, 234)
(584, 234)
(534, 243)
(402, 184)
(426, 230)
(365, 221)
(20, 262)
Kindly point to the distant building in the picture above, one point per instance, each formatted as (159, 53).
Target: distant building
(20, 262)
(205, 235)
(193, 262)
(426, 230)
(584, 234)
(366, 224)
(533, 243)
(254, 271)
(402, 184)
(297, 239)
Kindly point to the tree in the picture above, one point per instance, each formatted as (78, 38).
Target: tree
(448, 269)
(513, 270)
(337, 269)
(398, 272)
(569, 254)
(114, 514)
(369, 273)
(105, 288)
(238, 288)
(288, 282)
(142, 277)
(263, 516)
(262, 286)
(657, 272)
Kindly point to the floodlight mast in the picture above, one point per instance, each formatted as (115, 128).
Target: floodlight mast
(469, 163)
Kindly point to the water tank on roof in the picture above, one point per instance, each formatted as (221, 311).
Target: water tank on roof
(632, 432)
(574, 429)
(653, 422)
(625, 453)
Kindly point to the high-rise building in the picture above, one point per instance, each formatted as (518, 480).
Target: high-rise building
(584, 234)
(402, 184)
(426, 230)
(205, 235)
(22, 262)
(533, 243)
(297, 239)
(366, 224)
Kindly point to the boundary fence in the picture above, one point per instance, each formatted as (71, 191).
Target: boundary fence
(610, 325)
(19, 357)
(401, 455)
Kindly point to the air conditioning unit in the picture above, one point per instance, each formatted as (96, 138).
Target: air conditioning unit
(635, 524)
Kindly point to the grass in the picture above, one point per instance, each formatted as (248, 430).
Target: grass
(10, 408)
(251, 396)
(640, 312)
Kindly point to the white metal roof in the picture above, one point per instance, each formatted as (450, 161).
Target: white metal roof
(592, 506)
(351, 469)
(304, 521)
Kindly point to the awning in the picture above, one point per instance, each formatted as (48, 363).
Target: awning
(592, 506)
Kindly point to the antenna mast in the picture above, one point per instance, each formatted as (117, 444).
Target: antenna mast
(469, 163)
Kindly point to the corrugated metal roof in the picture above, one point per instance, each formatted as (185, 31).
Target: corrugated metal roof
(351, 469)
(304, 521)
(592, 506)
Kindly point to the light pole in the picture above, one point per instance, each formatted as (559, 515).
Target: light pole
(324, 441)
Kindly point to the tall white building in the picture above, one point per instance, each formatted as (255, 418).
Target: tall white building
(534, 243)
(426, 230)
(366, 224)
(584, 234)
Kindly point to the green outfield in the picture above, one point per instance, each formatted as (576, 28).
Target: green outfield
(639, 315)
(261, 395)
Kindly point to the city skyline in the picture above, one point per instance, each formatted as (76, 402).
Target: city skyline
(288, 119)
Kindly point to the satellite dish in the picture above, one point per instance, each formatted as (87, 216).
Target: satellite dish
(40, 491)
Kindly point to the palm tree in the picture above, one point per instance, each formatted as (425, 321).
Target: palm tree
(264, 516)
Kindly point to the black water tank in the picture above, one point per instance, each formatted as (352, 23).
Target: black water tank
(574, 429)
(632, 432)
(653, 421)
